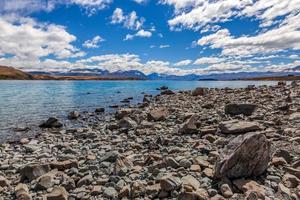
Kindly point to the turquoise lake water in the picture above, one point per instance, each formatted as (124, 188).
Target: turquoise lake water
(28, 102)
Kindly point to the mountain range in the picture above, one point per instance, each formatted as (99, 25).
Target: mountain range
(99, 74)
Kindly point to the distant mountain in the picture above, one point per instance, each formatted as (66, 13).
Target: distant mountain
(9, 73)
(135, 74)
(296, 68)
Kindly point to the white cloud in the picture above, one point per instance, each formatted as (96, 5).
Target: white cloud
(130, 21)
(294, 56)
(27, 39)
(30, 6)
(94, 43)
(163, 46)
(141, 33)
(208, 60)
(183, 63)
(284, 37)
(140, 1)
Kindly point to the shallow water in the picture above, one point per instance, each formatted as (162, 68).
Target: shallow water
(28, 102)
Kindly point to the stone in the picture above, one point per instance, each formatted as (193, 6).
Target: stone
(110, 156)
(99, 110)
(236, 127)
(97, 190)
(189, 127)
(122, 166)
(86, 180)
(290, 181)
(284, 154)
(137, 189)
(110, 192)
(52, 122)
(33, 171)
(195, 168)
(208, 172)
(171, 162)
(190, 181)
(284, 191)
(226, 191)
(63, 165)
(249, 186)
(73, 115)
(170, 183)
(199, 91)
(278, 161)
(4, 182)
(153, 190)
(250, 158)
(58, 193)
(237, 109)
(157, 114)
(295, 116)
(45, 181)
(167, 92)
(127, 123)
(185, 163)
(22, 192)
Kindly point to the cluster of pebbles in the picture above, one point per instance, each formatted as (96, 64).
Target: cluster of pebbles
(201, 144)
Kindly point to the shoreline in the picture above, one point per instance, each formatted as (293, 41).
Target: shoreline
(169, 146)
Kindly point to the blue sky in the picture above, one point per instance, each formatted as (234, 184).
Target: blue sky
(163, 36)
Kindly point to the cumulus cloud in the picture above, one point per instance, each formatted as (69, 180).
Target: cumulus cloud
(183, 63)
(130, 21)
(141, 33)
(30, 6)
(208, 60)
(27, 39)
(94, 43)
(285, 36)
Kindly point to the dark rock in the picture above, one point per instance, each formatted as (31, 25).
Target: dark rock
(199, 91)
(73, 115)
(33, 171)
(237, 109)
(167, 92)
(99, 110)
(52, 122)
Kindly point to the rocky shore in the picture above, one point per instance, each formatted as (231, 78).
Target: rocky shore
(201, 144)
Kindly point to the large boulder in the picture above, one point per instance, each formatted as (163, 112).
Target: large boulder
(236, 127)
(249, 158)
(170, 183)
(22, 192)
(52, 122)
(58, 193)
(237, 109)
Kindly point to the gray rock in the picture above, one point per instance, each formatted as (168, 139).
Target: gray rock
(250, 158)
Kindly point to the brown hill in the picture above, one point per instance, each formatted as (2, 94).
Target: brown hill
(10, 73)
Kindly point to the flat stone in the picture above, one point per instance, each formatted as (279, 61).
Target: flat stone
(248, 186)
(236, 127)
(58, 193)
(157, 114)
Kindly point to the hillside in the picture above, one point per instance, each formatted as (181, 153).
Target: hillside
(10, 73)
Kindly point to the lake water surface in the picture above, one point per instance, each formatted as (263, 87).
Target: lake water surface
(28, 102)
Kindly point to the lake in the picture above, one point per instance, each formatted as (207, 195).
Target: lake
(29, 102)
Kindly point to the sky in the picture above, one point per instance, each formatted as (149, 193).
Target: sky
(153, 36)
